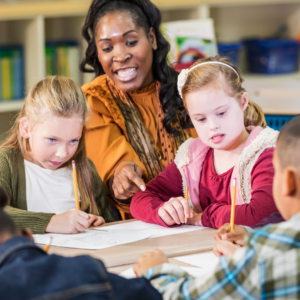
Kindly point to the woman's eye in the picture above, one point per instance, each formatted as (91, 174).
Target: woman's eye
(52, 140)
(74, 141)
(222, 113)
(132, 43)
(107, 49)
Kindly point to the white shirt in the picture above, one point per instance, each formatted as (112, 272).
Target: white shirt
(49, 191)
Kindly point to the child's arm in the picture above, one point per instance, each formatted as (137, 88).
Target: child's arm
(12, 180)
(236, 278)
(100, 194)
(261, 205)
(162, 194)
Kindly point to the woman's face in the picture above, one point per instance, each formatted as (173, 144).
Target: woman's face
(125, 51)
(217, 117)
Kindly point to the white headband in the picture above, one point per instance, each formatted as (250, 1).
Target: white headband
(185, 72)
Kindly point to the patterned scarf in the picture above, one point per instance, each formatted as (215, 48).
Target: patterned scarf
(139, 137)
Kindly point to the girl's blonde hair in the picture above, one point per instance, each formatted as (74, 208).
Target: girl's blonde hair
(61, 97)
(209, 74)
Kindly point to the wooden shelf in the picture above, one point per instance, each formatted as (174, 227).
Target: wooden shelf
(12, 105)
(27, 10)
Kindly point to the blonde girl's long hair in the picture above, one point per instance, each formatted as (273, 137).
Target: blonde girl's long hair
(209, 75)
(60, 97)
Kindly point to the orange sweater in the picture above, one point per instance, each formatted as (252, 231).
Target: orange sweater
(106, 137)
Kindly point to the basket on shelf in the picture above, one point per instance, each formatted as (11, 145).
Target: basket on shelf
(272, 56)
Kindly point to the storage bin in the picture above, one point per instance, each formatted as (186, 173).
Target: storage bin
(231, 50)
(277, 121)
(272, 56)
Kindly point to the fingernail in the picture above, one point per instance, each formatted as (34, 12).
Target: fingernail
(143, 188)
(224, 237)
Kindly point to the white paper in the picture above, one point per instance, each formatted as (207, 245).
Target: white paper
(205, 260)
(91, 239)
(152, 230)
(195, 272)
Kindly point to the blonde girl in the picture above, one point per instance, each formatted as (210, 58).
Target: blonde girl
(35, 162)
(233, 143)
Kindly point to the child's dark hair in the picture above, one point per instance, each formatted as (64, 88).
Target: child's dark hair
(288, 144)
(146, 15)
(7, 225)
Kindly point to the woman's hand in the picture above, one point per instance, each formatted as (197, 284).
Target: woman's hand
(95, 220)
(237, 235)
(224, 248)
(149, 260)
(72, 221)
(127, 180)
(175, 211)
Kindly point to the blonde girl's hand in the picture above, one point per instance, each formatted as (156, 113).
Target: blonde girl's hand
(224, 247)
(175, 210)
(127, 180)
(72, 221)
(237, 235)
(149, 260)
(95, 220)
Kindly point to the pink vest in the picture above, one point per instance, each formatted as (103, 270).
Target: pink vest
(192, 171)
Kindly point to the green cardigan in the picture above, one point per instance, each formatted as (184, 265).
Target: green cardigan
(13, 180)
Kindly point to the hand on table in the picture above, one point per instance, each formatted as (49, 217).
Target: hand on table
(175, 210)
(237, 235)
(149, 260)
(72, 221)
(127, 180)
(95, 220)
(224, 247)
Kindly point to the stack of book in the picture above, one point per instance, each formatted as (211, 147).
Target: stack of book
(11, 73)
(63, 58)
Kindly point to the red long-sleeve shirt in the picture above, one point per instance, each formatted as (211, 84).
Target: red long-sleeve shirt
(215, 195)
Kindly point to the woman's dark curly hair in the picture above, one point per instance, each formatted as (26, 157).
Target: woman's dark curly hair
(146, 15)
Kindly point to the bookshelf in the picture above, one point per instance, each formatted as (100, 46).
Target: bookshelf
(32, 23)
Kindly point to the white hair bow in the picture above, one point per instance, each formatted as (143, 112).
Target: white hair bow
(182, 77)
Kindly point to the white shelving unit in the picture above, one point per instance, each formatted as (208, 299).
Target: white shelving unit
(34, 23)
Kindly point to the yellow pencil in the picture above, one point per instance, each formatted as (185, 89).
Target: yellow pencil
(75, 184)
(186, 196)
(233, 205)
(47, 246)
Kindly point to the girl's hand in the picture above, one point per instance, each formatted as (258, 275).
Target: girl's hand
(224, 248)
(195, 220)
(149, 260)
(175, 210)
(95, 220)
(127, 180)
(72, 221)
(237, 235)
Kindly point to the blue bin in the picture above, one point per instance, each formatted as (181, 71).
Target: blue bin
(277, 121)
(272, 56)
(230, 50)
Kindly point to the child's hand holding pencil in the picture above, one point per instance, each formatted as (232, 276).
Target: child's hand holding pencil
(176, 211)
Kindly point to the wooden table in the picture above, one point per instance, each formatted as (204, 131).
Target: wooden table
(127, 254)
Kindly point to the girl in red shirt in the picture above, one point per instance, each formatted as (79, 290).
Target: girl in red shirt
(234, 142)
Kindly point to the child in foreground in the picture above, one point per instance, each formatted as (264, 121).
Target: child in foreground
(233, 142)
(27, 272)
(35, 162)
(268, 266)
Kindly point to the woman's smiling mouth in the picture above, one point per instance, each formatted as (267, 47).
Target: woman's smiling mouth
(126, 74)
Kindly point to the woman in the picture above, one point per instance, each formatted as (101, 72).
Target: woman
(139, 120)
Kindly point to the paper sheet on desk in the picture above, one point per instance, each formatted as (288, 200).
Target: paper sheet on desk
(201, 260)
(91, 239)
(195, 272)
(152, 229)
